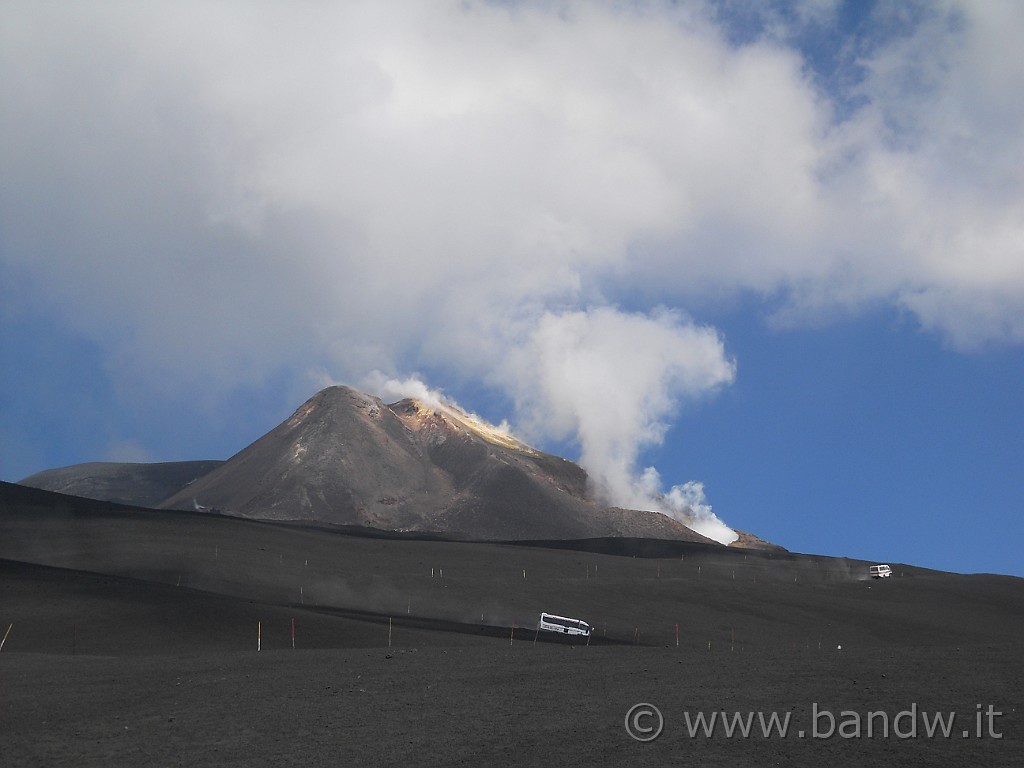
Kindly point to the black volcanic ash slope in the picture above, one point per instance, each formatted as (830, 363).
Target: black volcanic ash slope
(345, 457)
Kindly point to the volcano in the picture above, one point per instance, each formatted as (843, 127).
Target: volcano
(347, 458)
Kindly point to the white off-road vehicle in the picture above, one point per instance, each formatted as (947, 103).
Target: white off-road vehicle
(880, 571)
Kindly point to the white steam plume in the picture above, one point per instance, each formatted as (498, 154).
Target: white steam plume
(609, 379)
(688, 504)
(390, 389)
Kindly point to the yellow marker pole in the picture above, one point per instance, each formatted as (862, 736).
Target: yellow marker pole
(5, 636)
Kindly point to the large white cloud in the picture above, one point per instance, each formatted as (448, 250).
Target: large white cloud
(216, 191)
(942, 139)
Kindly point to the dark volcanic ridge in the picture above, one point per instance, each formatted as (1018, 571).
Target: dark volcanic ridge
(137, 484)
(345, 458)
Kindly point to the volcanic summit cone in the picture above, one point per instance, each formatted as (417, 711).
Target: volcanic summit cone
(347, 458)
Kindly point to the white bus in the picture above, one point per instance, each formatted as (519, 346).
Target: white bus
(880, 571)
(563, 625)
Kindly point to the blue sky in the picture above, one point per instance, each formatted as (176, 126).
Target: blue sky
(752, 263)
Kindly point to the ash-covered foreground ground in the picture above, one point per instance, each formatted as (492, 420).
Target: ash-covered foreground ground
(476, 704)
(134, 642)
